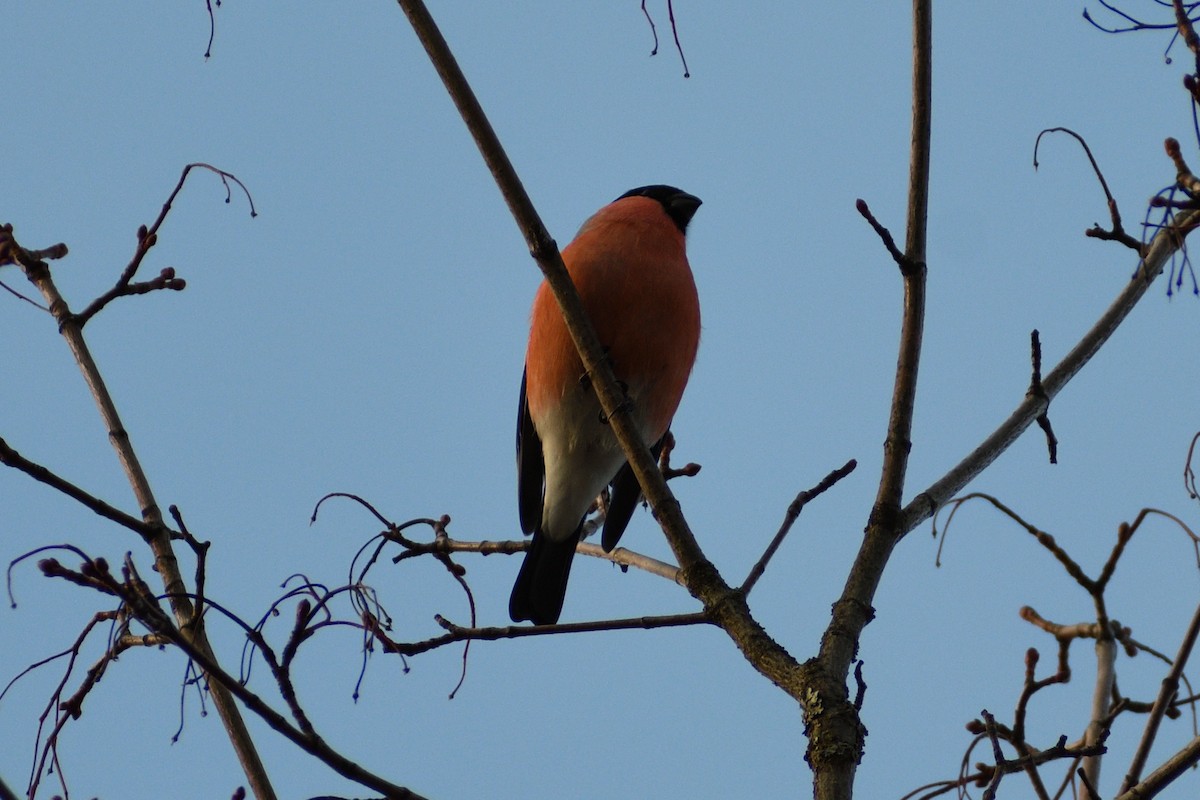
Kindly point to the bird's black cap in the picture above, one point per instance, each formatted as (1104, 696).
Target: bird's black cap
(679, 205)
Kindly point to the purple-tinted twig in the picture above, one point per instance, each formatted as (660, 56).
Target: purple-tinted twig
(12, 458)
(148, 237)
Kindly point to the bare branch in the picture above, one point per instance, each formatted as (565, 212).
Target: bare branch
(793, 513)
(12, 458)
(1117, 232)
(147, 238)
(1164, 244)
(1170, 686)
(1038, 391)
(38, 273)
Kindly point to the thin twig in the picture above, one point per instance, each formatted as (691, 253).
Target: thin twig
(11, 458)
(1170, 686)
(989, 793)
(38, 273)
(1117, 232)
(148, 237)
(1036, 390)
(793, 513)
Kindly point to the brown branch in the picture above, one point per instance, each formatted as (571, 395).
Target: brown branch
(147, 238)
(1044, 539)
(545, 252)
(1166, 773)
(166, 564)
(1185, 179)
(1170, 686)
(793, 513)
(836, 736)
(444, 545)
(1164, 244)
(457, 633)
(723, 605)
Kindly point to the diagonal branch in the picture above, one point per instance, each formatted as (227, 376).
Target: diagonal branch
(166, 564)
(727, 607)
(723, 605)
(793, 513)
(11, 458)
(1165, 244)
(1166, 694)
(148, 237)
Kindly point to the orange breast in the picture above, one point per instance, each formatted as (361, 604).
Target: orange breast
(630, 267)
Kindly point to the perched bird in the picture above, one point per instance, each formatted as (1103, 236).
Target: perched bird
(629, 264)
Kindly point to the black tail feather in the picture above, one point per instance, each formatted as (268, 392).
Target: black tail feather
(541, 584)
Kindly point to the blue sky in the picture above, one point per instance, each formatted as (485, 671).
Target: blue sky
(366, 331)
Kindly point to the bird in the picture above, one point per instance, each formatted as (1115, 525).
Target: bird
(629, 264)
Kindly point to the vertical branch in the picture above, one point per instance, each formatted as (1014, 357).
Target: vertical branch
(1102, 693)
(899, 437)
(158, 538)
(835, 750)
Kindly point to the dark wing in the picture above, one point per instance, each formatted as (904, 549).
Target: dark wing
(623, 500)
(531, 469)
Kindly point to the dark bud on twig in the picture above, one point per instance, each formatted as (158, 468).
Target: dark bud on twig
(51, 568)
(95, 569)
(142, 231)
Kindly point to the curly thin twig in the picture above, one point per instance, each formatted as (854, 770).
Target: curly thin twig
(147, 238)
(1117, 232)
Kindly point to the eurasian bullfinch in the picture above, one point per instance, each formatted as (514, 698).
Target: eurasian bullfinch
(629, 265)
